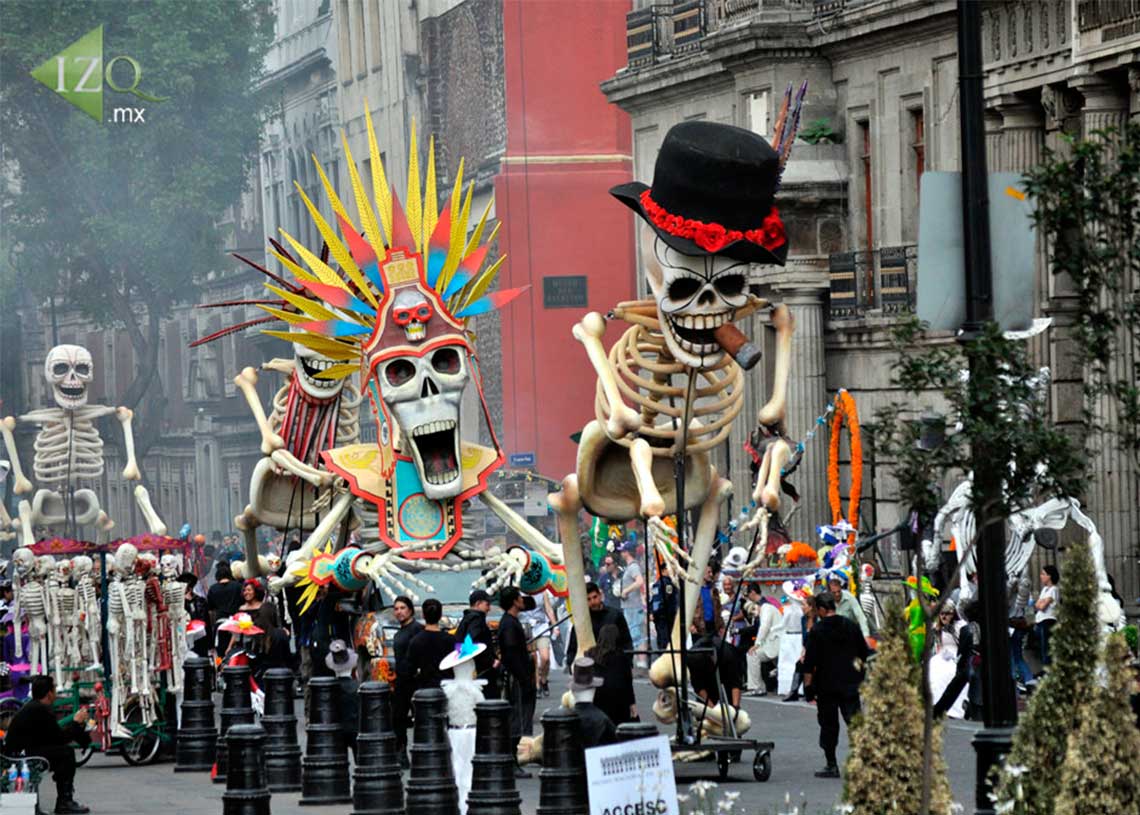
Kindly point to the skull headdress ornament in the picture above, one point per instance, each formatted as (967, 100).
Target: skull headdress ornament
(395, 309)
(68, 370)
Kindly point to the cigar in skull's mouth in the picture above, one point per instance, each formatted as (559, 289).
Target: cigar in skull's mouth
(737, 345)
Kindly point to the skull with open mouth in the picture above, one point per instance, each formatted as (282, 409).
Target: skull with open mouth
(68, 370)
(308, 365)
(695, 296)
(424, 393)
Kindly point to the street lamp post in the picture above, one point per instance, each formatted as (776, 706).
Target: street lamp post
(998, 699)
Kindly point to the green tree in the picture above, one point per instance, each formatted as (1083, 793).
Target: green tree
(884, 766)
(1099, 774)
(120, 220)
(1030, 782)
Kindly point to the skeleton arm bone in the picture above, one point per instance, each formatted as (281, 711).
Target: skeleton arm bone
(517, 524)
(247, 382)
(623, 419)
(336, 514)
(21, 485)
(292, 465)
(773, 413)
(281, 366)
(131, 470)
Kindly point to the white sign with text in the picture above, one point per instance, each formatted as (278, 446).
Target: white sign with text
(632, 778)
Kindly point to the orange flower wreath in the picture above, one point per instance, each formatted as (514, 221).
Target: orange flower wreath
(845, 413)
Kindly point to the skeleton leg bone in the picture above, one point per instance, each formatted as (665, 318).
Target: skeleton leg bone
(641, 460)
(24, 509)
(766, 493)
(623, 419)
(773, 413)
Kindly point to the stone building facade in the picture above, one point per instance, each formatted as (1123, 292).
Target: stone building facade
(883, 78)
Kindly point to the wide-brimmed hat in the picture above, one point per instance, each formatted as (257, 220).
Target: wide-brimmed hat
(712, 194)
(241, 623)
(464, 652)
(341, 659)
(583, 677)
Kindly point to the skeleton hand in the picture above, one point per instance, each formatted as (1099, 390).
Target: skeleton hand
(383, 568)
(664, 539)
(506, 568)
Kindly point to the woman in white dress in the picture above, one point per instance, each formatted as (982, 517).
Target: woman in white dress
(944, 657)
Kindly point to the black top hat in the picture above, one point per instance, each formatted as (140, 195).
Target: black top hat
(583, 677)
(712, 193)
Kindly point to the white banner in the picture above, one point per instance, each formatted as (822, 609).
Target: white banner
(632, 778)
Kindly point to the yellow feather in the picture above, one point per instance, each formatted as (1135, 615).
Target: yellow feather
(413, 202)
(363, 208)
(477, 234)
(431, 204)
(338, 371)
(297, 271)
(480, 285)
(455, 244)
(291, 317)
(330, 190)
(381, 192)
(309, 306)
(342, 352)
(338, 249)
(319, 267)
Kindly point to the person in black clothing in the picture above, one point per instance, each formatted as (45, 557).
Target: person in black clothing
(34, 731)
(713, 657)
(664, 608)
(402, 691)
(600, 615)
(223, 601)
(615, 696)
(833, 669)
(968, 648)
(429, 647)
(518, 667)
(474, 624)
(597, 728)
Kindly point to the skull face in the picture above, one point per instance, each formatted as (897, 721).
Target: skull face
(411, 311)
(23, 562)
(169, 566)
(308, 363)
(125, 557)
(68, 370)
(695, 295)
(63, 570)
(423, 394)
(45, 565)
(81, 565)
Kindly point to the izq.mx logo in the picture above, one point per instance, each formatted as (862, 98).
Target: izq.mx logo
(78, 73)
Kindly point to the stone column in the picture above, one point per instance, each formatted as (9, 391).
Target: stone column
(1113, 495)
(1022, 145)
(993, 140)
(807, 398)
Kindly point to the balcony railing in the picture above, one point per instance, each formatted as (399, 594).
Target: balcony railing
(661, 31)
(882, 279)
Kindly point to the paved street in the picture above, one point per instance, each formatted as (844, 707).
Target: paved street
(107, 785)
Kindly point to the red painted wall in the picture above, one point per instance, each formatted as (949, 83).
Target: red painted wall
(559, 218)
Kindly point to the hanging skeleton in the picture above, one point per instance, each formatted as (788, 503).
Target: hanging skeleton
(87, 605)
(174, 598)
(394, 309)
(309, 414)
(69, 453)
(62, 621)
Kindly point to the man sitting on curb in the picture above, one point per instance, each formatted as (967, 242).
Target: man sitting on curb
(34, 731)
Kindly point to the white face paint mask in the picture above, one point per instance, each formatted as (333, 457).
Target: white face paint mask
(695, 295)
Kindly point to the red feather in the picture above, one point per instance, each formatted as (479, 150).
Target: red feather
(232, 329)
(360, 249)
(280, 280)
(401, 232)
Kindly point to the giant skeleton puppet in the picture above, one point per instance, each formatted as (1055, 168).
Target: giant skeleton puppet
(308, 415)
(394, 308)
(708, 214)
(69, 453)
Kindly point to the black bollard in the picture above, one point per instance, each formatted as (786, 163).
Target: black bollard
(377, 788)
(236, 709)
(562, 780)
(431, 784)
(636, 730)
(493, 767)
(198, 736)
(246, 792)
(282, 753)
(324, 770)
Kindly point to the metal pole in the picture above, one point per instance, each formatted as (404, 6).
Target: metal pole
(991, 743)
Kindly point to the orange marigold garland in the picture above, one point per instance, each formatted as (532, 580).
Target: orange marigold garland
(845, 413)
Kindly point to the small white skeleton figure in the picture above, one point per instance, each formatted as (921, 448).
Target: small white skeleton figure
(174, 594)
(23, 593)
(69, 453)
(62, 621)
(87, 605)
(129, 646)
(33, 602)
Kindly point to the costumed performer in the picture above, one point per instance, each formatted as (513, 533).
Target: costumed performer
(463, 693)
